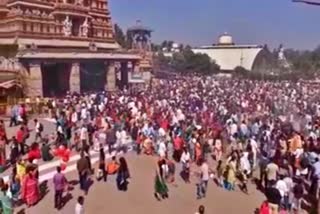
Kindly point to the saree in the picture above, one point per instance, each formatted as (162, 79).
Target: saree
(30, 190)
(160, 185)
(6, 204)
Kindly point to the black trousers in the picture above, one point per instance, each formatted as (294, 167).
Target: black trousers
(13, 121)
(58, 198)
(22, 151)
(83, 180)
(104, 173)
(138, 148)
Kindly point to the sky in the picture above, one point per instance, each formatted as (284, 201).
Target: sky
(200, 22)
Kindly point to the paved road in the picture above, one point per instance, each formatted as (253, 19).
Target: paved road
(104, 197)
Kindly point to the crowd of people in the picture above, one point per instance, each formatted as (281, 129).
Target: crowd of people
(251, 129)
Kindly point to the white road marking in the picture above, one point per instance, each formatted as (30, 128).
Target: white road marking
(70, 168)
(52, 120)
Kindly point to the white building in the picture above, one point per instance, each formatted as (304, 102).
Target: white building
(228, 55)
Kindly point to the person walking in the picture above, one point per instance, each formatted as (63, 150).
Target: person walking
(38, 129)
(79, 209)
(102, 165)
(20, 136)
(30, 187)
(60, 183)
(161, 188)
(123, 175)
(6, 201)
(83, 170)
(111, 138)
(273, 196)
(203, 181)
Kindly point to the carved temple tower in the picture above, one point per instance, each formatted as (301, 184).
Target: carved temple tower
(61, 45)
(140, 42)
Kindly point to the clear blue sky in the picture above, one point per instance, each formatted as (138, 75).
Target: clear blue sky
(199, 22)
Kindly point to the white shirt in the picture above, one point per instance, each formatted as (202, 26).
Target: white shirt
(254, 145)
(60, 129)
(79, 209)
(205, 172)
(162, 149)
(83, 133)
(185, 157)
(245, 164)
(233, 128)
(282, 187)
(84, 113)
(37, 127)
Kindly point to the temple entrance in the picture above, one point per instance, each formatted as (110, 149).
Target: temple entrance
(55, 79)
(92, 76)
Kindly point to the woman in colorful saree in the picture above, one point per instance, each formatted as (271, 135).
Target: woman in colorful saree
(161, 188)
(6, 202)
(30, 187)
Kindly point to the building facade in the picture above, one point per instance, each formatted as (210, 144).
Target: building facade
(62, 45)
(229, 55)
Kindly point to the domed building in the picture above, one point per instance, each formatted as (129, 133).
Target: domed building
(229, 55)
(225, 39)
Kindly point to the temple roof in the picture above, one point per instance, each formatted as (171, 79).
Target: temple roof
(76, 55)
(139, 27)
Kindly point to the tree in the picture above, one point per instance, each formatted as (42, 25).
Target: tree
(119, 36)
(187, 61)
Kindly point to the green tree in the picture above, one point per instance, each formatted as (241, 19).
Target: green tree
(119, 36)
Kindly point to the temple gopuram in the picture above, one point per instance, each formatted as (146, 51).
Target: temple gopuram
(62, 45)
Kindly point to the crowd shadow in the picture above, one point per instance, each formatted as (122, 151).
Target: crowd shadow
(65, 199)
(44, 190)
(22, 211)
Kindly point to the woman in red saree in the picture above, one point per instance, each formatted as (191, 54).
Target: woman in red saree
(30, 188)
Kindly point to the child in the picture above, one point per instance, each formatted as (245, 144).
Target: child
(15, 188)
(79, 206)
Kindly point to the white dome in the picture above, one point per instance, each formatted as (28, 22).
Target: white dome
(175, 45)
(225, 39)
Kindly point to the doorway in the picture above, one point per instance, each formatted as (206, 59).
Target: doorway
(55, 79)
(92, 76)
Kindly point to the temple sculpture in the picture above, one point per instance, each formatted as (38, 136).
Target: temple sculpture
(62, 45)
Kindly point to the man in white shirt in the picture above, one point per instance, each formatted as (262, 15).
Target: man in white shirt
(38, 129)
(203, 182)
(84, 136)
(282, 186)
(84, 114)
(254, 147)
(185, 157)
(162, 149)
(185, 160)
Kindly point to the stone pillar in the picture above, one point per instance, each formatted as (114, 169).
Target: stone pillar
(124, 74)
(111, 77)
(34, 80)
(74, 81)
